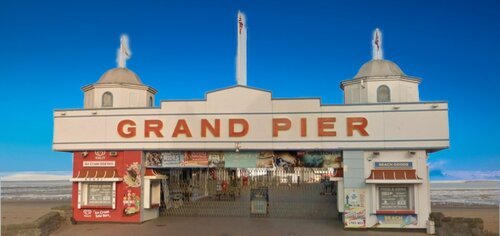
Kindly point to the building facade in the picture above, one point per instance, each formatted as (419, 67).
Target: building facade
(383, 133)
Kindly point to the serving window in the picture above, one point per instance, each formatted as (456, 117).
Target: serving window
(100, 194)
(395, 199)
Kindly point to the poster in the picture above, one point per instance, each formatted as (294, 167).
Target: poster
(354, 217)
(354, 210)
(286, 159)
(216, 159)
(131, 203)
(240, 159)
(265, 160)
(132, 177)
(153, 159)
(399, 221)
(172, 159)
(195, 159)
(332, 160)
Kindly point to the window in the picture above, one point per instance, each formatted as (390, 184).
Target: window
(383, 94)
(152, 193)
(150, 101)
(107, 100)
(99, 194)
(394, 198)
(96, 194)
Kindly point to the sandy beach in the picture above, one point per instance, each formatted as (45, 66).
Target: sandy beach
(15, 212)
(488, 214)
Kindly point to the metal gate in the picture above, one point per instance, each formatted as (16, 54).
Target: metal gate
(252, 192)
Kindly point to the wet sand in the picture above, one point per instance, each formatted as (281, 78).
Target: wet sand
(15, 212)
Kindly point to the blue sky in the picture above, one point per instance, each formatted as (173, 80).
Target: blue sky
(301, 48)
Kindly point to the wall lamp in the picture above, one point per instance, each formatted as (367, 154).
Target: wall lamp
(237, 147)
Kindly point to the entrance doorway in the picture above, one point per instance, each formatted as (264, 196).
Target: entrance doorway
(280, 192)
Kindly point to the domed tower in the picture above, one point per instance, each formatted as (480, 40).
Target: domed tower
(380, 81)
(119, 87)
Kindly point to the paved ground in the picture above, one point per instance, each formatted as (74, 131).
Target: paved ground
(221, 226)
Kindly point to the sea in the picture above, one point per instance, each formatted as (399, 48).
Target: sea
(34, 186)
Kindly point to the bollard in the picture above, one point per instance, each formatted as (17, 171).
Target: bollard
(431, 229)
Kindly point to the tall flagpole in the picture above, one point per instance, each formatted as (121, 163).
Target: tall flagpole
(241, 56)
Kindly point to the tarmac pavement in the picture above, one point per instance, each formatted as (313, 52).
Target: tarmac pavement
(221, 226)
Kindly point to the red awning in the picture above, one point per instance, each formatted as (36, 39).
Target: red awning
(394, 177)
(153, 174)
(101, 174)
(339, 172)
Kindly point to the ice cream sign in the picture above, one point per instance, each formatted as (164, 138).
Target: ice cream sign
(240, 127)
(89, 213)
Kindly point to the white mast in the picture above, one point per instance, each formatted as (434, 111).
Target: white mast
(241, 56)
(123, 52)
(377, 45)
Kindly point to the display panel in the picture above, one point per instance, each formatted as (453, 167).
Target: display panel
(99, 194)
(394, 198)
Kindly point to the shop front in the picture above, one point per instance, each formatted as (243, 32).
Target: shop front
(375, 155)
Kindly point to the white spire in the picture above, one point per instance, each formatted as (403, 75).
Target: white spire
(123, 52)
(241, 56)
(377, 45)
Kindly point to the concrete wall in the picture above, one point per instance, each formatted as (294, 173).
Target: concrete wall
(401, 90)
(412, 125)
(123, 96)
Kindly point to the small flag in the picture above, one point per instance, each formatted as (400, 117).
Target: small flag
(240, 21)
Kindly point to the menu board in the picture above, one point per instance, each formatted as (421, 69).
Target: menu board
(394, 198)
(99, 194)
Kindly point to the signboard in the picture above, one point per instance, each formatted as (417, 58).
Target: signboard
(100, 194)
(240, 159)
(245, 159)
(98, 164)
(216, 159)
(394, 165)
(97, 214)
(354, 210)
(172, 159)
(252, 118)
(195, 159)
(394, 198)
(398, 221)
